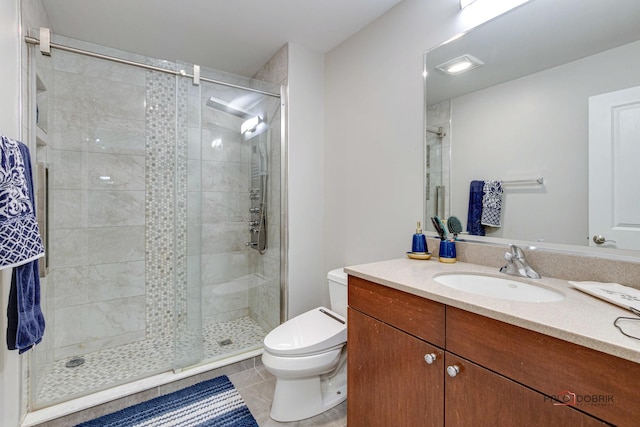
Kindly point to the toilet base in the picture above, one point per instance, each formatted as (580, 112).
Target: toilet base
(297, 399)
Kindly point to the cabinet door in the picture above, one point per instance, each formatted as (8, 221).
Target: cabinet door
(389, 381)
(604, 386)
(479, 397)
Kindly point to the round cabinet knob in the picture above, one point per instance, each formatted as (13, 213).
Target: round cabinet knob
(430, 358)
(453, 370)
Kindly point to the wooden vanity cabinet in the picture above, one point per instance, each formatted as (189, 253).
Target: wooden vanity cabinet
(393, 378)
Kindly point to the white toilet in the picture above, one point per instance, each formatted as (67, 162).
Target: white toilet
(308, 357)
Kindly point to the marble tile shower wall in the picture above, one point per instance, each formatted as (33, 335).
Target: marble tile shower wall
(187, 340)
(263, 297)
(219, 176)
(97, 196)
(264, 291)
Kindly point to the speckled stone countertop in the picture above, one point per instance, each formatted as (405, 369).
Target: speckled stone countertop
(579, 318)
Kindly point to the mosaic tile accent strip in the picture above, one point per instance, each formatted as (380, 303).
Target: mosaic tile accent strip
(159, 203)
(110, 367)
(181, 150)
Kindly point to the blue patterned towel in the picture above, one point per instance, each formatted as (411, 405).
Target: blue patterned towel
(491, 203)
(20, 240)
(475, 209)
(20, 246)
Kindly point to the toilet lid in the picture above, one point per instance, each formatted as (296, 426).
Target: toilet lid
(312, 332)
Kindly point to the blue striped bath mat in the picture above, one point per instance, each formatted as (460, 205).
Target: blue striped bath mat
(213, 403)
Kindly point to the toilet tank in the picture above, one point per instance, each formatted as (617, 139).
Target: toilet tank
(337, 280)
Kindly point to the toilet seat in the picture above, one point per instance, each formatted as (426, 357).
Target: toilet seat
(315, 331)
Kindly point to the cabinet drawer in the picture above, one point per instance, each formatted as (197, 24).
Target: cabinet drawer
(594, 382)
(413, 314)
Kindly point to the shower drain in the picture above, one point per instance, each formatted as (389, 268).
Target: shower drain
(225, 342)
(74, 362)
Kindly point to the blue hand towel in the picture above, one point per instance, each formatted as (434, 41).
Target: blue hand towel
(21, 246)
(474, 227)
(25, 321)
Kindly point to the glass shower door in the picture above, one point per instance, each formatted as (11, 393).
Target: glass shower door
(240, 211)
(150, 213)
(109, 291)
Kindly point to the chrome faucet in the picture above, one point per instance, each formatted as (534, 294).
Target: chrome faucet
(517, 265)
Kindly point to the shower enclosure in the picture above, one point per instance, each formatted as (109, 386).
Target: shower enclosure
(162, 186)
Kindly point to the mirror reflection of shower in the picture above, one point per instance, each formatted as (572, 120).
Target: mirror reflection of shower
(253, 131)
(437, 155)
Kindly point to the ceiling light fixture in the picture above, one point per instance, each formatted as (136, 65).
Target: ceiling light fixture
(250, 125)
(460, 65)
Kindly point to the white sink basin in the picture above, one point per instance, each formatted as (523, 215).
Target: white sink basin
(498, 287)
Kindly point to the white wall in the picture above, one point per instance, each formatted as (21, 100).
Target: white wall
(373, 127)
(9, 126)
(307, 274)
(536, 126)
(373, 131)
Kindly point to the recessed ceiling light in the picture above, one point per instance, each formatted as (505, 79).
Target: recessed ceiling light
(460, 65)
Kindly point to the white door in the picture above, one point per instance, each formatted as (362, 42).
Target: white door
(614, 169)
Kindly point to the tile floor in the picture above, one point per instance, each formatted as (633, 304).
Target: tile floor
(256, 386)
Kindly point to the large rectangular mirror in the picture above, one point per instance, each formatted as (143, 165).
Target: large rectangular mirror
(552, 111)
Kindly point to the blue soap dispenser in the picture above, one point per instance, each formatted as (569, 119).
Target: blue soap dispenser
(419, 244)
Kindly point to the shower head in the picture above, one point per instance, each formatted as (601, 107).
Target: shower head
(221, 105)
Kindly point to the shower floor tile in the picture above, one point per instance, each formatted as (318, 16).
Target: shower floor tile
(110, 367)
(227, 337)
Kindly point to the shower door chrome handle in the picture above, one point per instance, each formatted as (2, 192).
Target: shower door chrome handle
(440, 201)
(42, 199)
